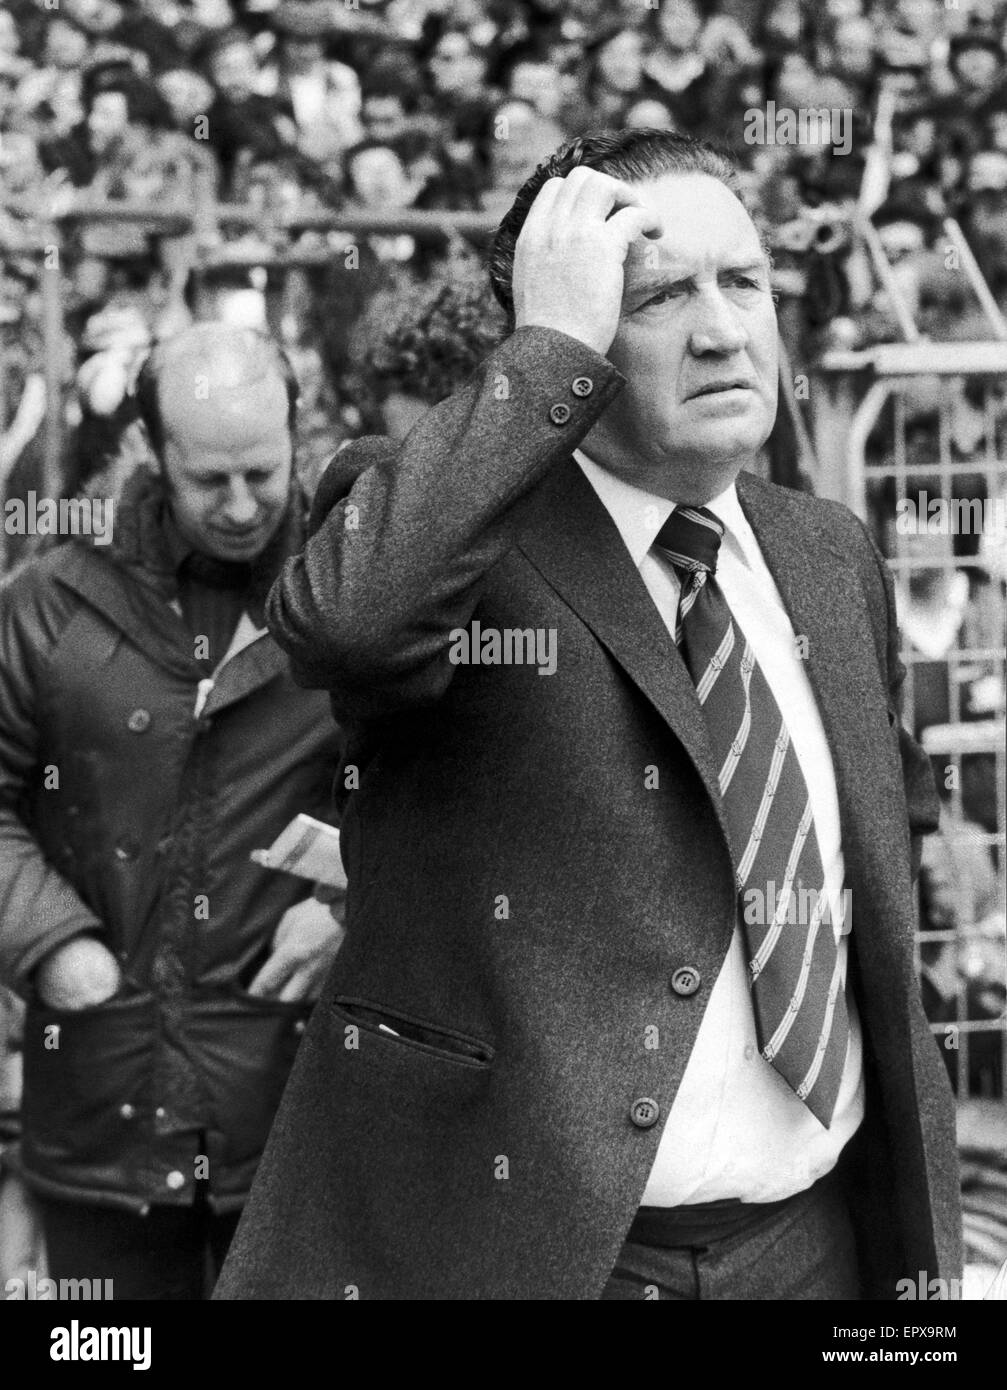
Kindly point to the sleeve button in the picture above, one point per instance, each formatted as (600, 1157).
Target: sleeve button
(139, 721)
(582, 386)
(560, 413)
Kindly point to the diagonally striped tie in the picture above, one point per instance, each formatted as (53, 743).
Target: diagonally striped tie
(794, 965)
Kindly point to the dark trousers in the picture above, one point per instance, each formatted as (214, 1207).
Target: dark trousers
(171, 1253)
(802, 1248)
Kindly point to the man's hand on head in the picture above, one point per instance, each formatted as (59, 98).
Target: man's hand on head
(570, 255)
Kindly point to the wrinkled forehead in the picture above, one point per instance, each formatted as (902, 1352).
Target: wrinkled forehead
(705, 228)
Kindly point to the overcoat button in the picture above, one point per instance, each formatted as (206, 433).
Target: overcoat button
(126, 850)
(127, 1111)
(644, 1112)
(139, 721)
(686, 980)
(175, 1180)
(560, 413)
(582, 386)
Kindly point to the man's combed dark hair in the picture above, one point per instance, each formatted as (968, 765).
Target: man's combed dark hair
(633, 155)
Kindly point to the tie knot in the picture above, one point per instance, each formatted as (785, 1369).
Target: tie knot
(691, 538)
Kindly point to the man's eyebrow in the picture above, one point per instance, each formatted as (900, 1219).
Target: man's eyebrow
(759, 263)
(670, 278)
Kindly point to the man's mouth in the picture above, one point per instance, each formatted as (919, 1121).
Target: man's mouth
(236, 537)
(713, 388)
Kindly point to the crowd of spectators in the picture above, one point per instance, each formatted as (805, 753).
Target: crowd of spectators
(315, 106)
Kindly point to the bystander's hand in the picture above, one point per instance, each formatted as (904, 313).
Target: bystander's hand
(304, 946)
(78, 974)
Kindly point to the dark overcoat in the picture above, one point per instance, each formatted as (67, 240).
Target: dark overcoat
(524, 888)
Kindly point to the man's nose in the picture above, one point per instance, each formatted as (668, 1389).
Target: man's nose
(717, 327)
(241, 508)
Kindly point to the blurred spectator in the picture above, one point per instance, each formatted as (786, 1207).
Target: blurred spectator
(56, 83)
(121, 113)
(962, 976)
(324, 97)
(421, 343)
(242, 119)
(109, 442)
(613, 77)
(390, 96)
(523, 138)
(461, 97)
(532, 75)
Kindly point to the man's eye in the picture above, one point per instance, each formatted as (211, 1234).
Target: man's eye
(745, 282)
(661, 297)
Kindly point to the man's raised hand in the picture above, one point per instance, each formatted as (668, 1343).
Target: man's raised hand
(570, 255)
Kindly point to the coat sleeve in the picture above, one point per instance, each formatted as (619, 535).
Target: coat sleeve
(39, 909)
(922, 800)
(366, 611)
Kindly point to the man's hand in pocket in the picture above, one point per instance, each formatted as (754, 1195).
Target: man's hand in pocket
(78, 974)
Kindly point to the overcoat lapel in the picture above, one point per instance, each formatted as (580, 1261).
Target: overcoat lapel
(827, 608)
(572, 541)
(570, 538)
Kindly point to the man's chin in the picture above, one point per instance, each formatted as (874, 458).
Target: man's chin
(237, 548)
(719, 443)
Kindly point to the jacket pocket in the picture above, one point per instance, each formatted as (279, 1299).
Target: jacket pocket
(404, 1031)
(245, 1047)
(86, 1071)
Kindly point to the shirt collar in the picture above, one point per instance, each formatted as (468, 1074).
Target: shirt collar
(639, 514)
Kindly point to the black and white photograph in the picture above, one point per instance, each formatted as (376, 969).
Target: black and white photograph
(503, 586)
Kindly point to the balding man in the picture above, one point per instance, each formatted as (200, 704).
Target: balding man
(150, 739)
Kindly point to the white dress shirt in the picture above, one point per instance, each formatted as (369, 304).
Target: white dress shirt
(736, 1129)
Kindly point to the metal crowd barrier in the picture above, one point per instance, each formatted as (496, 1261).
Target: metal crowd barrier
(865, 406)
